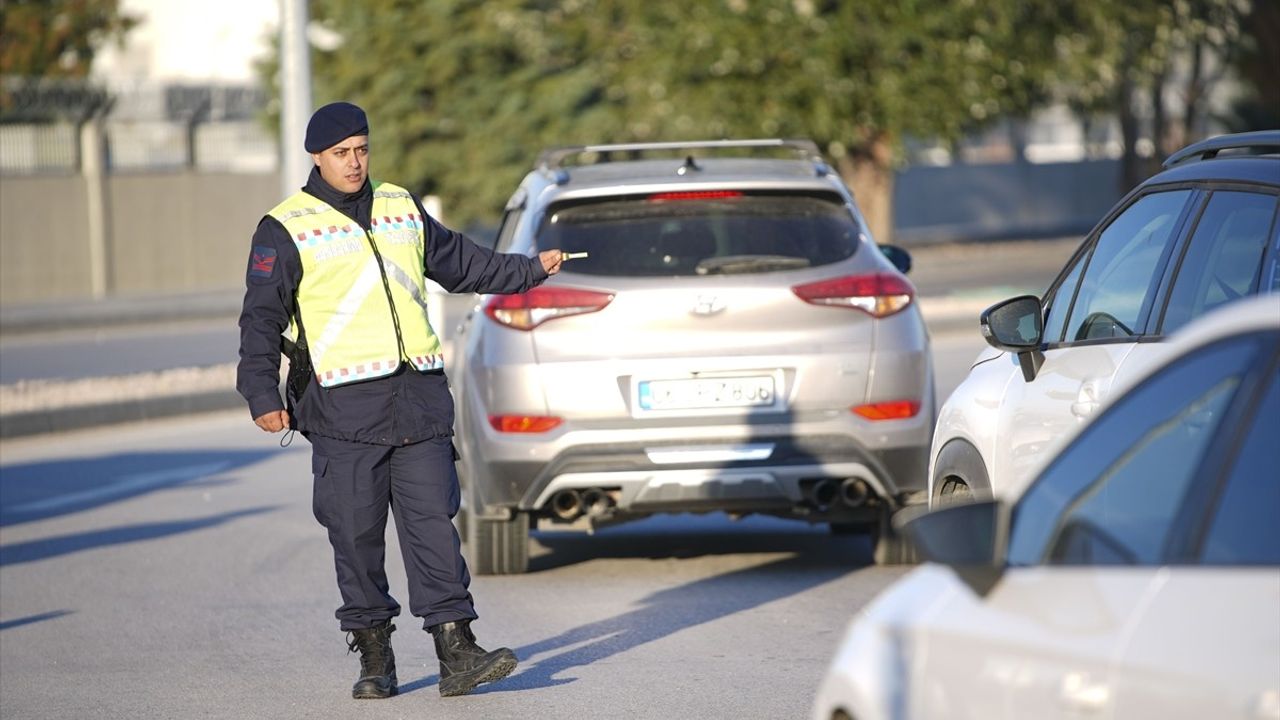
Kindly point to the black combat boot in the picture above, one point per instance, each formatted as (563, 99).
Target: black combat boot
(463, 664)
(377, 662)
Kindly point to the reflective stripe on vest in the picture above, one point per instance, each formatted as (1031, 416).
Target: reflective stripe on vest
(342, 297)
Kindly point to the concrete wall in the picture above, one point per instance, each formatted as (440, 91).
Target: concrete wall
(43, 244)
(169, 233)
(187, 231)
(965, 202)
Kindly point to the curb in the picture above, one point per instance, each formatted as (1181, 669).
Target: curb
(948, 314)
(39, 422)
(119, 311)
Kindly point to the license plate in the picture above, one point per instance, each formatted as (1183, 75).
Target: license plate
(706, 393)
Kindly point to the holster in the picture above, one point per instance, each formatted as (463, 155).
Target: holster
(300, 370)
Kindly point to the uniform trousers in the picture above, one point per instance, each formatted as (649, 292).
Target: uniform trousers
(355, 485)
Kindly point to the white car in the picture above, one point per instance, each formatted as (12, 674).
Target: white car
(1138, 576)
(1199, 234)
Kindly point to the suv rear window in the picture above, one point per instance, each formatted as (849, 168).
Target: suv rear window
(701, 233)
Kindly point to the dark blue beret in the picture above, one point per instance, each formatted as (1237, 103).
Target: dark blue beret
(334, 123)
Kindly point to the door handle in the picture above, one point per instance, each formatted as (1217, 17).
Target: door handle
(1083, 409)
(1080, 693)
(1087, 400)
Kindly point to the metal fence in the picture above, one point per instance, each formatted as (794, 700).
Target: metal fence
(212, 128)
(38, 149)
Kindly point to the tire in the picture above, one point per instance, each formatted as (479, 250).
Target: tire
(954, 490)
(959, 464)
(888, 546)
(498, 547)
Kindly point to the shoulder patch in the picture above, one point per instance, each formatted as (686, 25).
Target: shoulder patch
(263, 263)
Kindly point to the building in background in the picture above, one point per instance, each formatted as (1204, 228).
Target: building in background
(190, 41)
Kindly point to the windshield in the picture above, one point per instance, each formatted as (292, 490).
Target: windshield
(692, 234)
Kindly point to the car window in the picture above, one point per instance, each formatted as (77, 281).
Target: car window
(1121, 269)
(507, 230)
(1223, 260)
(1244, 530)
(702, 233)
(1271, 273)
(1112, 494)
(1057, 304)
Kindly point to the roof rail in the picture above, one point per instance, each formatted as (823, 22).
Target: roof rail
(1261, 140)
(554, 158)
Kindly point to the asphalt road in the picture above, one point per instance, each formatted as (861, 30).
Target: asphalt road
(175, 571)
(172, 569)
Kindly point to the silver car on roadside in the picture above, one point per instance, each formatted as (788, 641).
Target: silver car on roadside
(729, 339)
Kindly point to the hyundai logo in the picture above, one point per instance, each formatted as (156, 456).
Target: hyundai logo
(707, 305)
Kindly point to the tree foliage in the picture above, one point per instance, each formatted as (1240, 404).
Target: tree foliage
(1129, 59)
(463, 94)
(57, 38)
(1257, 63)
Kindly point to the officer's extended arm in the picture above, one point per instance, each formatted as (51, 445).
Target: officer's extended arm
(460, 265)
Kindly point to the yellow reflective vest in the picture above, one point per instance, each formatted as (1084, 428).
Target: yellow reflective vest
(362, 293)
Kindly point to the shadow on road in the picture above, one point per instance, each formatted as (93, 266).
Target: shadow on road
(815, 558)
(665, 536)
(36, 491)
(41, 617)
(52, 547)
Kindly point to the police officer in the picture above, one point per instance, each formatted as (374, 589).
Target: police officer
(340, 268)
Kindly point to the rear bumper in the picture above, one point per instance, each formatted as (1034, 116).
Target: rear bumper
(763, 474)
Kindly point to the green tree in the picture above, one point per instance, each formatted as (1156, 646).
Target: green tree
(464, 93)
(57, 38)
(1128, 59)
(1256, 64)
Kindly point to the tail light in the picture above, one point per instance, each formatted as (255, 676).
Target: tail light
(695, 195)
(527, 311)
(524, 423)
(891, 410)
(878, 295)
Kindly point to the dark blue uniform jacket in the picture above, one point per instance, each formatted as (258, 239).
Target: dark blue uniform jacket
(404, 408)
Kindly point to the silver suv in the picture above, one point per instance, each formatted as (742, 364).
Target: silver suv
(730, 339)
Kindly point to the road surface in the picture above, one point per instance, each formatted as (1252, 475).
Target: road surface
(173, 569)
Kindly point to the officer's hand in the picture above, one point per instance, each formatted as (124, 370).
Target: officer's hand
(550, 261)
(274, 421)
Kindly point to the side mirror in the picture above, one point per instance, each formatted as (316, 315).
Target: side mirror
(900, 258)
(969, 537)
(1016, 325)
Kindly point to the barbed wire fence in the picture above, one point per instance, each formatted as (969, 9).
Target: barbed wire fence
(147, 127)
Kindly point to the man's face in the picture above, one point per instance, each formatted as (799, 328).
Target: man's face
(345, 166)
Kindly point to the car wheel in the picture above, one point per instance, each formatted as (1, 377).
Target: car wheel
(959, 474)
(498, 547)
(954, 490)
(890, 547)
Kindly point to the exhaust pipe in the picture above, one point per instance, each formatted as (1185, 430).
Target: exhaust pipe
(824, 493)
(566, 504)
(596, 502)
(854, 492)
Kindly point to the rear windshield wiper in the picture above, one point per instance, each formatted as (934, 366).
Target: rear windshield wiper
(731, 264)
